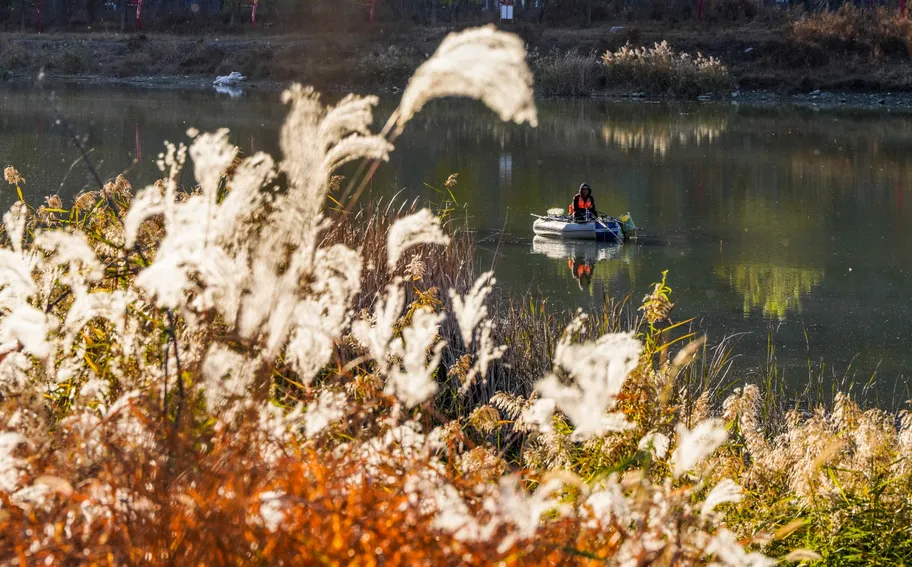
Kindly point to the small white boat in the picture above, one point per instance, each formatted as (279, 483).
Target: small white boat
(232, 78)
(603, 229)
(599, 230)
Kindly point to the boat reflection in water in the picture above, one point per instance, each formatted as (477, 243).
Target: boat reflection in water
(580, 255)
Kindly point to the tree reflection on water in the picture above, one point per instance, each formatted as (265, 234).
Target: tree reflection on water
(775, 290)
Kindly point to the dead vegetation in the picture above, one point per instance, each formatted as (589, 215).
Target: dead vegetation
(850, 49)
(237, 375)
(874, 33)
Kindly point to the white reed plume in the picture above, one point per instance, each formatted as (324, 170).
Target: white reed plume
(485, 353)
(471, 309)
(16, 282)
(693, 446)
(29, 327)
(481, 63)
(422, 227)
(14, 223)
(599, 369)
(538, 416)
(655, 443)
(73, 251)
(10, 465)
(729, 553)
(723, 493)
(413, 382)
(524, 511)
(607, 503)
(327, 408)
(376, 335)
(227, 376)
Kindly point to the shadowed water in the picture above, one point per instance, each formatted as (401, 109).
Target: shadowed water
(787, 221)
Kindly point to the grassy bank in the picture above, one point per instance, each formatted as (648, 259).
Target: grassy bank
(251, 371)
(847, 50)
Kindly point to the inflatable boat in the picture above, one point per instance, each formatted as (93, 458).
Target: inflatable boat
(602, 229)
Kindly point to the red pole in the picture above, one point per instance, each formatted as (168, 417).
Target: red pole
(700, 9)
(138, 10)
(38, 26)
(253, 12)
(373, 3)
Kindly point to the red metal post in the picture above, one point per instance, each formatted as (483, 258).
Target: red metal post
(38, 25)
(700, 10)
(138, 11)
(253, 12)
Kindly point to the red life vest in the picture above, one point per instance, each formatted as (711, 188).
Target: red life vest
(582, 203)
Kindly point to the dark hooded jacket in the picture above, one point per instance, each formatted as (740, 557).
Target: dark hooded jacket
(580, 204)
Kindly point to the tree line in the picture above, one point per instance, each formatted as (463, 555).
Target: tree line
(294, 14)
(333, 15)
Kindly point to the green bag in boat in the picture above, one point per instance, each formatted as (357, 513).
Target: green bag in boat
(627, 223)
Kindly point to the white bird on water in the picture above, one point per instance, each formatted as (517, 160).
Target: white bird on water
(231, 79)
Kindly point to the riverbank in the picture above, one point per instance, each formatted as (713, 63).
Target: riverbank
(896, 102)
(859, 54)
(234, 374)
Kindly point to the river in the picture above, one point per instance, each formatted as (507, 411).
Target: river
(773, 222)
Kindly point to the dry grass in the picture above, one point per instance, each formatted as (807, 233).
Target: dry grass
(660, 70)
(570, 73)
(874, 32)
(196, 378)
(657, 70)
(385, 65)
(72, 61)
(13, 56)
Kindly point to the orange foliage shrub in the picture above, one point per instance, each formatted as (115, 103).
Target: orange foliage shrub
(229, 499)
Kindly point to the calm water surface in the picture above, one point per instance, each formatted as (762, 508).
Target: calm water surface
(787, 222)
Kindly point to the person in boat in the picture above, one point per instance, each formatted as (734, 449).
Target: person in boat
(583, 205)
(581, 270)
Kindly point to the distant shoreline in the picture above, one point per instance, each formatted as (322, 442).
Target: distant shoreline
(767, 65)
(872, 101)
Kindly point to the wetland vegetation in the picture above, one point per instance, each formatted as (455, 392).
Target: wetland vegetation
(250, 364)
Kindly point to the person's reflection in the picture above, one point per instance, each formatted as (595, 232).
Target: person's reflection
(581, 268)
